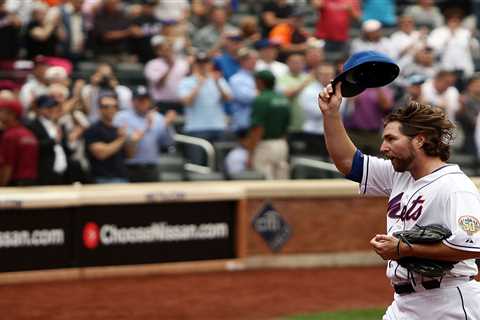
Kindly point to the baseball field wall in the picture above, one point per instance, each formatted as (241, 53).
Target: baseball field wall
(101, 230)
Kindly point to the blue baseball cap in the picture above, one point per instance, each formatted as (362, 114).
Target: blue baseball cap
(366, 69)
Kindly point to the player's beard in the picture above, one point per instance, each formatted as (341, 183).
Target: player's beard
(404, 163)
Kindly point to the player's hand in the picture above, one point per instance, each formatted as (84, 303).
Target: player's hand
(386, 246)
(329, 102)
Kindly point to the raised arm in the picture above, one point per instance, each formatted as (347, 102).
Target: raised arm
(339, 145)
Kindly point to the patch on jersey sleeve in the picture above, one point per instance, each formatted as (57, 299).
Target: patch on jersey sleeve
(469, 224)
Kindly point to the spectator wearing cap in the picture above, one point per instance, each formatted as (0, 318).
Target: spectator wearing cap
(333, 24)
(268, 148)
(291, 85)
(35, 85)
(104, 79)
(73, 42)
(175, 33)
(112, 33)
(145, 26)
(203, 95)
(212, 37)
(314, 54)
(155, 132)
(53, 146)
(108, 146)
(18, 148)
(468, 113)
(425, 14)
(267, 58)
(164, 74)
(313, 130)
(372, 39)
(441, 92)
(10, 26)
(227, 62)
(412, 91)
(244, 90)
(291, 34)
(273, 13)
(453, 45)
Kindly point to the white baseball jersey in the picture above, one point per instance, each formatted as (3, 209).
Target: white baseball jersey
(446, 196)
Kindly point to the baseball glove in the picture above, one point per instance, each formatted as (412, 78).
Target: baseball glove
(428, 234)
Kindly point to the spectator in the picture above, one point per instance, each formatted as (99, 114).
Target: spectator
(244, 90)
(22, 9)
(268, 54)
(35, 85)
(236, 160)
(423, 64)
(333, 24)
(10, 26)
(164, 74)
(365, 121)
(273, 13)
(74, 122)
(307, 99)
(407, 40)
(425, 14)
(108, 146)
(440, 92)
(154, 131)
(74, 40)
(268, 149)
(413, 91)
(249, 30)
(314, 55)
(104, 79)
(112, 33)
(291, 34)
(372, 39)
(291, 84)
(381, 10)
(228, 62)
(18, 148)
(468, 113)
(211, 37)
(144, 27)
(42, 34)
(203, 94)
(173, 32)
(52, 138)
(453, 45)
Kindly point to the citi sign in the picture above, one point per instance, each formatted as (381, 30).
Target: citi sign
(111, 234)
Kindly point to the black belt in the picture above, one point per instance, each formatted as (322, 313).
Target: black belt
(406, 288)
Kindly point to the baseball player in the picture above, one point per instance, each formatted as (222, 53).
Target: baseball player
(422, 189)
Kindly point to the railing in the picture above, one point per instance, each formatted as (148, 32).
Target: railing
(312, 163)
(206, 146)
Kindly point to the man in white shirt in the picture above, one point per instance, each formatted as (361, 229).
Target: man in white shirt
(268, 53)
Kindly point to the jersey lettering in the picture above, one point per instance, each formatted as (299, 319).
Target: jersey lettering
(409, 212)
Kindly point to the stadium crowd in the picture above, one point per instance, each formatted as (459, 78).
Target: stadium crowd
(95, 91)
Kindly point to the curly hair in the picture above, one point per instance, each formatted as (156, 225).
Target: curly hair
(432, 122)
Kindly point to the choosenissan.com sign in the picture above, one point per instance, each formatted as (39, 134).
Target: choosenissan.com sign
(150, 233)
(32, 239)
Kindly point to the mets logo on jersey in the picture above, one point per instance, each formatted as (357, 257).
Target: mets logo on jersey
(412, 211)
(469, 224)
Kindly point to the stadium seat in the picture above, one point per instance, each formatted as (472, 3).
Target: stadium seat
(212, 176)
(130, 74)
(171, 167)
(247, 175)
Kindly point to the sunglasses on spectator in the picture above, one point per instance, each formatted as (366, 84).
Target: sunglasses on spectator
(108, 105)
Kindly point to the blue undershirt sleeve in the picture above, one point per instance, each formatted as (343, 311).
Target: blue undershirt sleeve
(356, 172)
